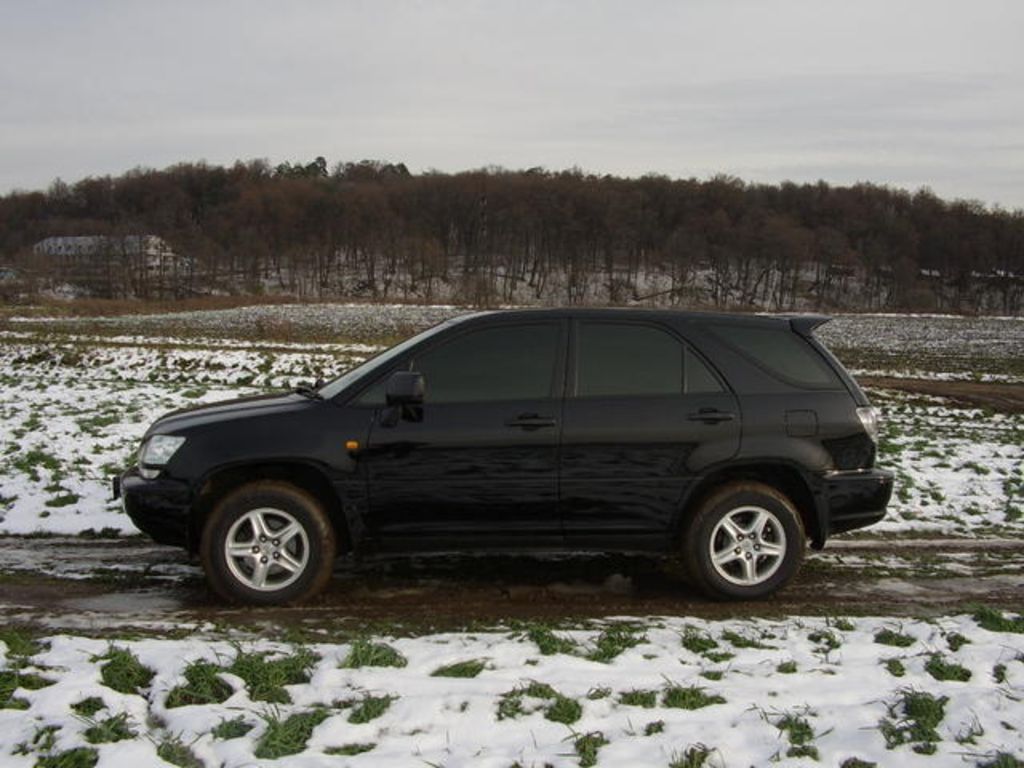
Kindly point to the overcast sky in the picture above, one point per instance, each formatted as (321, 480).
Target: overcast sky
(909, 93)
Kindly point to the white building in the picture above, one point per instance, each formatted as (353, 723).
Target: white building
(116, 264)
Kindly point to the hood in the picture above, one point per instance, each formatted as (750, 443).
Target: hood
(228, 410)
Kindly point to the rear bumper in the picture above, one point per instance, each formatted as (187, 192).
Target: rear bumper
(854, 499)
(159, 508)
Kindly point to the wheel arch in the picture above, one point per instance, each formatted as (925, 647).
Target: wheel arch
(786, 478)
(308, 477)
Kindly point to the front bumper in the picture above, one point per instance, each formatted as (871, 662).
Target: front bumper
(855, 499)
(159, 508)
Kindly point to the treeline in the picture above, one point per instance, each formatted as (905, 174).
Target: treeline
(374, 230)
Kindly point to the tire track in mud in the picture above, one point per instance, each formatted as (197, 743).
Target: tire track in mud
(111, 585)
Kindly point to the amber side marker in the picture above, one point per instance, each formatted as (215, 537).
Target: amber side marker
(351, 446)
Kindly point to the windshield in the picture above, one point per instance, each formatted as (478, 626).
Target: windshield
(334, 387)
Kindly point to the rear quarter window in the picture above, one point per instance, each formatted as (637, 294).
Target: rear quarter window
(780, 352)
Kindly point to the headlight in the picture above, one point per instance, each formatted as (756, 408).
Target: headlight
(156, 452)
(869, 418)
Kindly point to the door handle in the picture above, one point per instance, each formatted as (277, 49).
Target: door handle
(711, 415)
(530, 421)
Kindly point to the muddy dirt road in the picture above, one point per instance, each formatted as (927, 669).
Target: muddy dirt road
(114, 585)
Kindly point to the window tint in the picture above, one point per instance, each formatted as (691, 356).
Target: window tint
(511, 363)
(699, 377)
(620, 359)
(781, 352)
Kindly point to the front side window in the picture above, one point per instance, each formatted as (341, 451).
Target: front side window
(504, 363)
(620, 359)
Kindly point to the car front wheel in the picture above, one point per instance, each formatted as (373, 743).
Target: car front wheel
(744, 542)
(267, 543)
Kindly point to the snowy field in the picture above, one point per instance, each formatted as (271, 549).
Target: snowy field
(924, 346)
(680, 692)
(74, 406)
(672, 692)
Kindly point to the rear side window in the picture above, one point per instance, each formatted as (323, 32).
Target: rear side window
(616, 359)
(504, 363)
(781, 352)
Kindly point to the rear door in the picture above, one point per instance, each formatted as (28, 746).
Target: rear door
(643, 416)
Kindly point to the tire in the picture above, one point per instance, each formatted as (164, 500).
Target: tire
(748, 566)
(291, 563)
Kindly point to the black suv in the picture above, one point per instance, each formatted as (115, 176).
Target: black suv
(730, 440)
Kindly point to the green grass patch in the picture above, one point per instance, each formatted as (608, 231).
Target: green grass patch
(123, 672)
(563, 709)
(234, 728)
(913, 719)
(698, 642)
(893, 638)
(63, 500)
(799, 734)
(108, 730)
(33, 460)
(718, 657)
(653, 727)
(511, 703)
(79, 757)
(88, 707)
(288, 736)
(694, 756)
(20, 643)
(994, 621)
(13, 679)
(369, 708)
(548, 643)
(688, 697)
(557, 707)
(786, 667)
(742, 641)
(587, 746)
(349, 750)
(940, 669)
(615, 639)
(176, 752)
(43, 741)
(895, 667)
(956, 641)
(639, 697)
(266, 677)
(825, 639)
(203, 685)
(364, 653)
(470, 668)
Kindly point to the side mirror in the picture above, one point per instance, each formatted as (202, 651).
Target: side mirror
(404, 388)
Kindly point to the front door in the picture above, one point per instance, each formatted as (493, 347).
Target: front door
(643, 416)
(481, 457)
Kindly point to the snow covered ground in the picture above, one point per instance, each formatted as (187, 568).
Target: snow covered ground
(929, 346)
(639, 691)
(659, 691)
(74, 407)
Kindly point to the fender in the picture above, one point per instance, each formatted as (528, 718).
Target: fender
(803, 489)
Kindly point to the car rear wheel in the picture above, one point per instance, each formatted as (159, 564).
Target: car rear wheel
(744, 542)
(267, 543)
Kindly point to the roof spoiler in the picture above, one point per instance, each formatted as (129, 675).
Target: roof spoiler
(805, 324)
